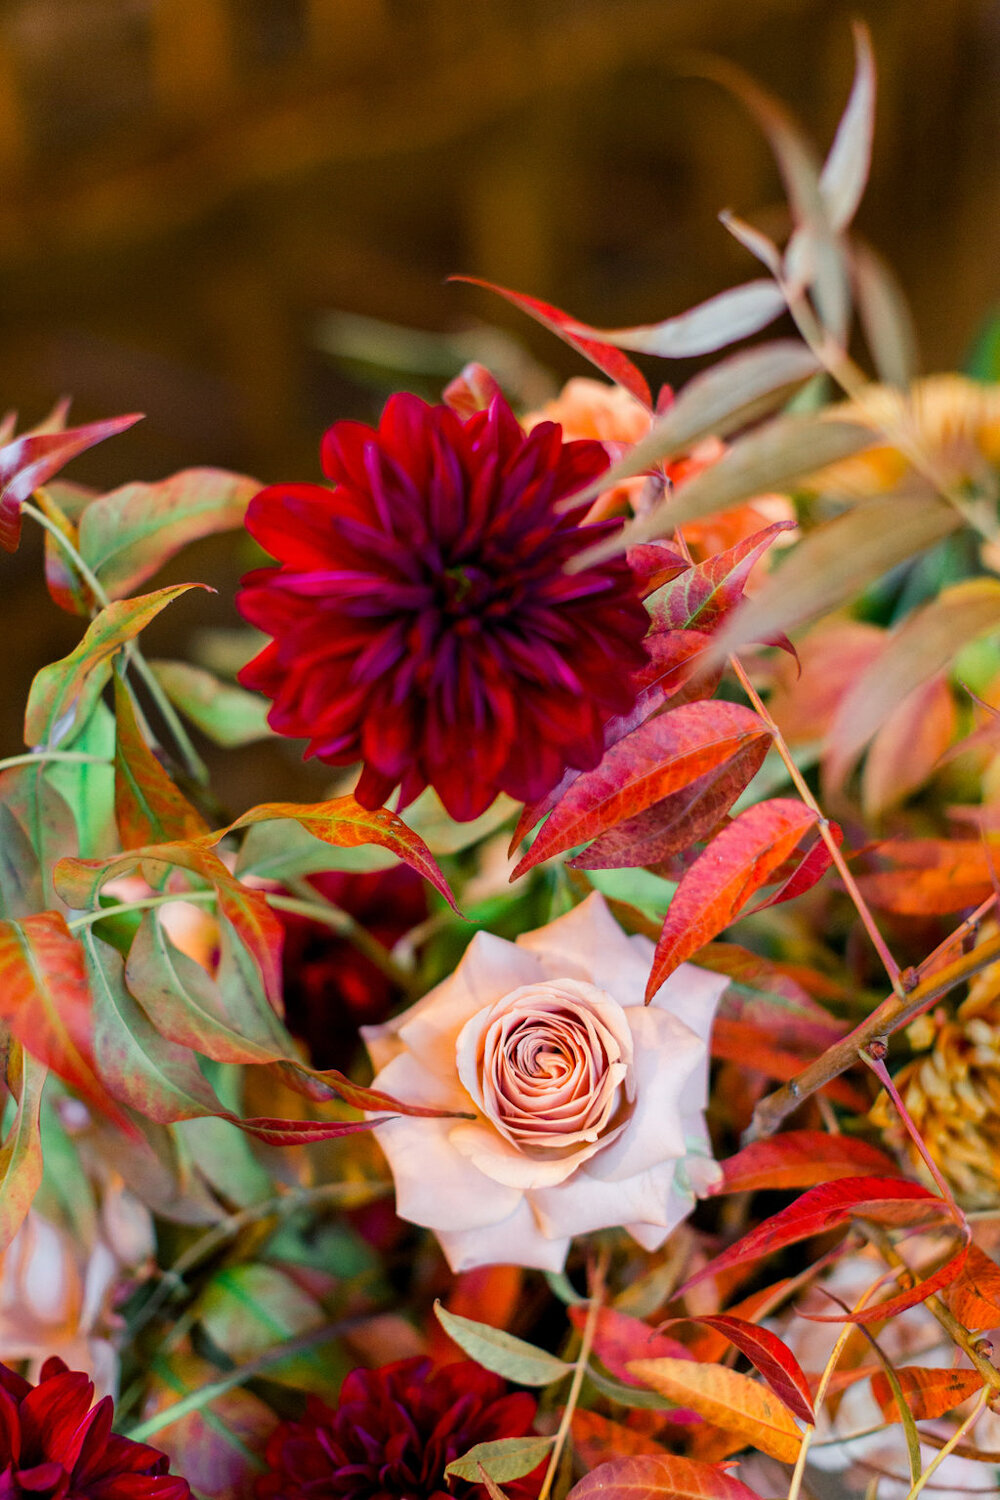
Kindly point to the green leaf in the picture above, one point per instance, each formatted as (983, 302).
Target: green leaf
(127, 535)
(504, 1460)
(21, 890)
(501, 1352)
(149, 807)
(225, 714)
(285, 851)
(64, 693)
(627, 1395)
(251, 1308)
(46, 820)
(89, 789)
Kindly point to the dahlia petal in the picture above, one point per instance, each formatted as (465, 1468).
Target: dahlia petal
(292, 522)
(516, 1240)
(435, 1185)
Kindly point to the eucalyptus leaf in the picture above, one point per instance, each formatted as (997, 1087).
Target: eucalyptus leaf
(503, 1460)
(501, 1352)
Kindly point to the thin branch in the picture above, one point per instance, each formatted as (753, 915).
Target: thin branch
(579, 1369)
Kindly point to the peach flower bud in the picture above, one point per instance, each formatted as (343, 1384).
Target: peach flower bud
(587, 1104)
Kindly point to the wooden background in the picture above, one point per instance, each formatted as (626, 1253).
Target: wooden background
(196, 191)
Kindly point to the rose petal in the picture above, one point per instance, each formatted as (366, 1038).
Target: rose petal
(667, 1053)
(490, 968)
(516, 1241)
(436, 1185)
(408, 1080)
(502, 1162)
(585, 1203)
(693, 994)
(588, 944)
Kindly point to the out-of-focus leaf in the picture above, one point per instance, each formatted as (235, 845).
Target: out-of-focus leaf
(661, 756)
(826, 1207)
(885, 318)
(249, 1309)
(501, 1352)
(737, 863)
(928, 1393)
(46, 1002)
(634, 1397)
(974, 1295)
(29, 461)
(729, 1400)
(609, 360)
(679, 821)
(718, 401)
(932, 877)
(226, 714)
(21, 890)
(893, 1306)
(845, 171)
(598, 1440)
(923, 646)
(723, 319)
(504, 1459)
(619, 1338)
(829, 565)
(66, 584)
(752, 1045)
(772, 457)
(669, 1477)
(214, 1448)
(801, 1159)
(46, 819)
(768, 1355)
(807, 867)
(127, 535)
(149, 807)
(63, 688)
(21, 1150)
(157, 1078)
(909, 745)
(88, 787)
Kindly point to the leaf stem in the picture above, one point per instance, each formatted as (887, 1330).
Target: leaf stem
(881, 1072)
(597, 1286)
(34, 757)
(825, 832)
(88, 918)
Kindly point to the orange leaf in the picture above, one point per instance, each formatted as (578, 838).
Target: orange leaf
(669, 1477)
(928, 1393)
(974, 1295)
(597, 1439)
(149, 807)
(728, 1399)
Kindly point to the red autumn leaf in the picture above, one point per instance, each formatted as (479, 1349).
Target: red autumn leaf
(278, 1132)
(806, 870)
(751, 1046)
(974, 1295)
(743, 858)
(661, 756)
(832, 1204)
(606, 357)
(654, 564)
(766, 1352)
(619, 1338)
(707, 594)
(29, 461)
(928, 1393)
(669, 1477)
(801, 1159)
(360, 1097)
(891, 1308)
(679, 821)
(46, 1002)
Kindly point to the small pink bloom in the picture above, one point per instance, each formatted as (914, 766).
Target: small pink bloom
(587, 1104)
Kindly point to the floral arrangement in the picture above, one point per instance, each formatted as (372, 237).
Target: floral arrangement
(597, 1092)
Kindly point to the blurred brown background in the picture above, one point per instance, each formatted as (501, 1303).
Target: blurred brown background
(196, 193)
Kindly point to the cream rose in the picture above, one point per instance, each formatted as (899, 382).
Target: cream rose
(588, 1104)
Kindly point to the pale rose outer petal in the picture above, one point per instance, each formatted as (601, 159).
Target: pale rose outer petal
(501, 1161)
(693, 994)
(585, 1203)
(588, 944)
(666, 1054)
(515, 1241)
(490, 968)
(411, 1083)
(435, 1185)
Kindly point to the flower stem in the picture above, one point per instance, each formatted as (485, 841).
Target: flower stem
(825, 832)
(579, 1369)
(881, 1072)
(33, 757)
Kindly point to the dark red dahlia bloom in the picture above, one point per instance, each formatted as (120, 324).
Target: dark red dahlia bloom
(423, 620)
(54, 1445)
(394, 1432)
(330, 988)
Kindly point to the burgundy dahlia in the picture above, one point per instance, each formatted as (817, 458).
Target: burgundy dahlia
(393, 1433)
(54, 1445)
(423, 619)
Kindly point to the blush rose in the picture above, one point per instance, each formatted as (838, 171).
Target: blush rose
(587, 1104)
